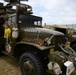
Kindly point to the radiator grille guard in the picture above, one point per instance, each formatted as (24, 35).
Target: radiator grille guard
(58, 40)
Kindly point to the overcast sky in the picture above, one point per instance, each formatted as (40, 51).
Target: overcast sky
(54, 11)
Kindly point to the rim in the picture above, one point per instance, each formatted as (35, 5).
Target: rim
(28, 67)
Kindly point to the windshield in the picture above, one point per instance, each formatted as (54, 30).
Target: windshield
(30, 20)
(25, 20)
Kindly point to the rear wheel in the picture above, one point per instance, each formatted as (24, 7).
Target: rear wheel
(30, 64)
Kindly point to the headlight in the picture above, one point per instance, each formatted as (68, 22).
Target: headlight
(51, 50)
(67, 44)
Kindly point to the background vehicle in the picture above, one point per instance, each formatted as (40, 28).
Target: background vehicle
(34, 45)
(69, 33)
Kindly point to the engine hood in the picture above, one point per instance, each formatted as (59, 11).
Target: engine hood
(38, 35)
(43, 30)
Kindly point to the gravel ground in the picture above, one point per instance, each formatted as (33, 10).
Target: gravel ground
(9, 66)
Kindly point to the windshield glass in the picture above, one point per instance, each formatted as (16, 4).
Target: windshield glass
(30, 19)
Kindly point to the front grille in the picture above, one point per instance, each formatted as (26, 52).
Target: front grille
(60, 40)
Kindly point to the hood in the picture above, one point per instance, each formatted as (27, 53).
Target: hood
(38, 35)
(43, 30)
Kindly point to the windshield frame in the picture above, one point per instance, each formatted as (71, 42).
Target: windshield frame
(32, 20)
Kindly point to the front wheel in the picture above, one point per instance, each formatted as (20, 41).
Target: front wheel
(30, 64)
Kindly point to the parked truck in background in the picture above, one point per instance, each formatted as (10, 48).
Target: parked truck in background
(69, 33)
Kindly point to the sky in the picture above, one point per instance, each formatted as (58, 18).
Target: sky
(54, 11)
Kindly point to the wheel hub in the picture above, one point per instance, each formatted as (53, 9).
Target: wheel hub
(29, 68)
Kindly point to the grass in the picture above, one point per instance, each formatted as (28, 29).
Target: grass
(9, 66)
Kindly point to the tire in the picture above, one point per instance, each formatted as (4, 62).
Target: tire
(30, 64)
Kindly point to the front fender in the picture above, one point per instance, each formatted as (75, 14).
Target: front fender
(22, 47)
(34, 45)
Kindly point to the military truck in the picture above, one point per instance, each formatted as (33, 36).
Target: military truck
(69, 33)
(40, 51)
